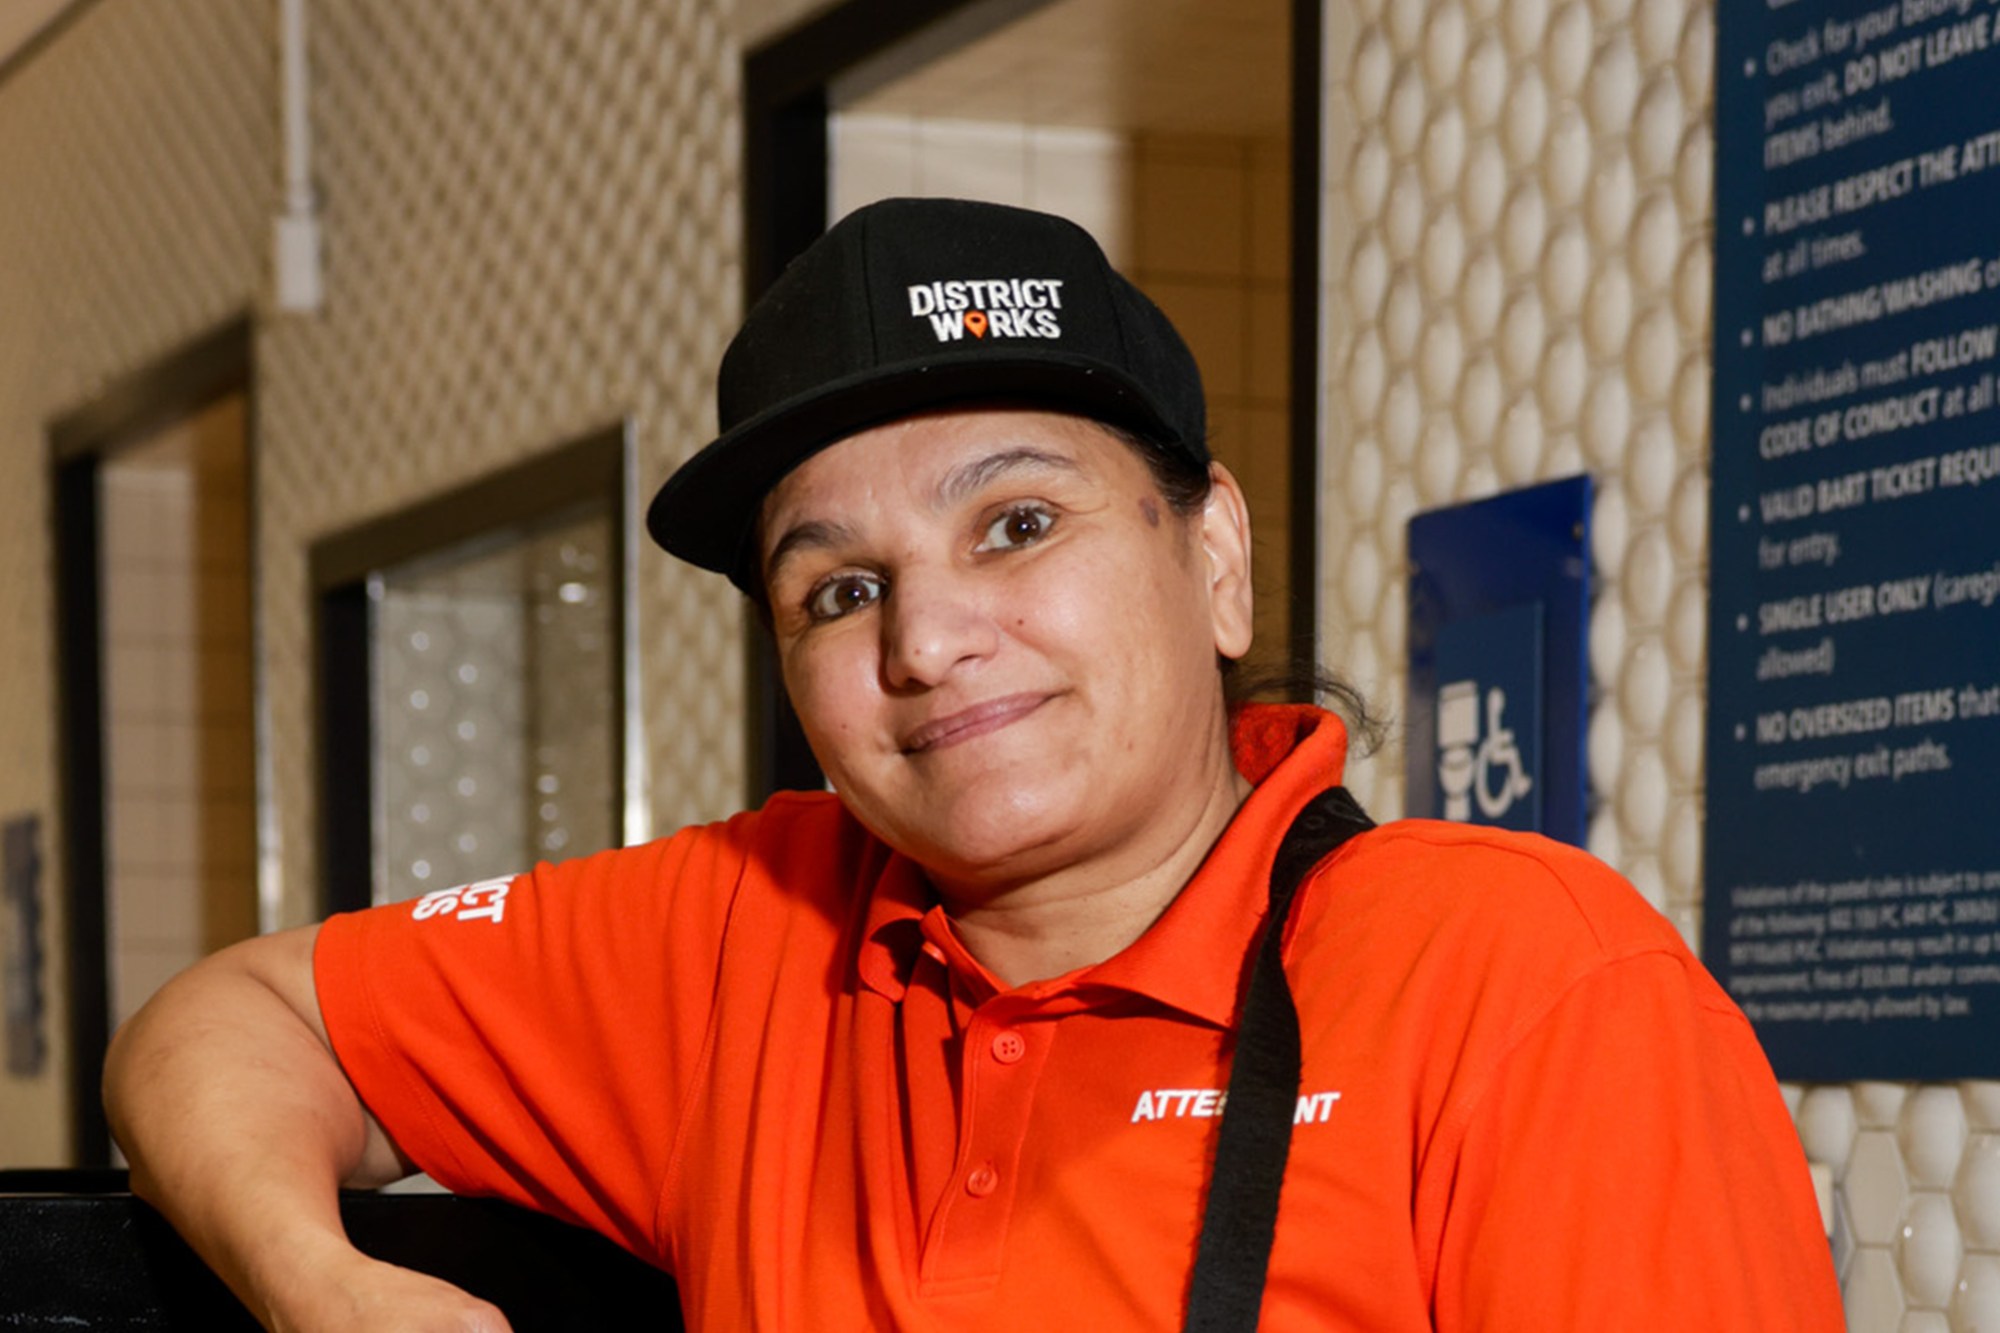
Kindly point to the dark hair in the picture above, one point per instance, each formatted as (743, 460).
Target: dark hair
(1302, 680)
(1183, 483)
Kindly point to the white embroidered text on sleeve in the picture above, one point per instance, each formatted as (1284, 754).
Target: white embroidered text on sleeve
(484, 901)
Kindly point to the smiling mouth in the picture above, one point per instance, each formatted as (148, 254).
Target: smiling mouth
(970, 723)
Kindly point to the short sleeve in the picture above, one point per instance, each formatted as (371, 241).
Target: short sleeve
(1631, 1166)
(535, 1038)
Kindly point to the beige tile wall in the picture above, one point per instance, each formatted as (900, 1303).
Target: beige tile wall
(179, 740)
(137, 160)
(531, 226)
(1211, 220)
(530, 223)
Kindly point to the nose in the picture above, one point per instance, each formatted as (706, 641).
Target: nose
(933, 624)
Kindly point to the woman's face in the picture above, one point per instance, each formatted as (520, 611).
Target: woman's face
(1000, 640)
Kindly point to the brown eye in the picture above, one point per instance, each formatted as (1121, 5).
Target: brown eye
(1020, 526)
(843, 595)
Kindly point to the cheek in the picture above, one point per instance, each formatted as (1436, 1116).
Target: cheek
(831, 686)
(1119, 603)
(1064, 609)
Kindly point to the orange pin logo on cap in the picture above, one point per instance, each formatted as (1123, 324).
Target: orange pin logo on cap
(975, 323)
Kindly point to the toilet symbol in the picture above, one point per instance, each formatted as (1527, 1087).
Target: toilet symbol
(1458, 732)
(1468, 764)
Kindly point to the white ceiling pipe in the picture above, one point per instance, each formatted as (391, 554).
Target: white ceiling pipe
(295, 236)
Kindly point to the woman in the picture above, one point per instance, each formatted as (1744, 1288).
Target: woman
(949, 1050)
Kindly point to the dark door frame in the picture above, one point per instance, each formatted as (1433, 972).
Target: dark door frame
(786, 102)
(595, 467)
(80, 442)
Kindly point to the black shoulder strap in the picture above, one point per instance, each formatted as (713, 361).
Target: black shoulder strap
(1241, 1216)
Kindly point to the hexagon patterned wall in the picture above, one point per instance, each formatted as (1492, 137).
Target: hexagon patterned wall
(1519, 214)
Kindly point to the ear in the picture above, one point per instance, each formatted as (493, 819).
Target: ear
(1225, 541)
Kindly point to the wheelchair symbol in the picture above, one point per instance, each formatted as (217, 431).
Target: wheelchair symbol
(1468, 764)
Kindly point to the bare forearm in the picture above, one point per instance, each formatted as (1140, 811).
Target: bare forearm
(239, 1124)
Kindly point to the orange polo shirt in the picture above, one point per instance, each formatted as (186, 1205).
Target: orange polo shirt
(757, 1054)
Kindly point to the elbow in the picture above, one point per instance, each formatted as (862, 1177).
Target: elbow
(122, 1087)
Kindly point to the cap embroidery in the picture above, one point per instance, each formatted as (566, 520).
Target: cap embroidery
(1004, 307)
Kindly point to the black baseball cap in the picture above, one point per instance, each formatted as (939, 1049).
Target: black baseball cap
(910, 304)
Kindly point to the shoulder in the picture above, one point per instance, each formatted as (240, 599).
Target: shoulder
(800, 838)
(791, 824)
(1476, 916)
(800, 852)
(796, 842)
(1440, 949)
(1436, 874)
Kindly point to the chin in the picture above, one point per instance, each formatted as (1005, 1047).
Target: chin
(986, 831)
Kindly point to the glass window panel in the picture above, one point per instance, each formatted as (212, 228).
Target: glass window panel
(495, 710)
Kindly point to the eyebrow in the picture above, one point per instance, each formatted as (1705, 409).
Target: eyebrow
(812, 535)
(968, 478)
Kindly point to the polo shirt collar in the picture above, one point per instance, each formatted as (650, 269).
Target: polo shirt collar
(892, 932)
(1193, 956)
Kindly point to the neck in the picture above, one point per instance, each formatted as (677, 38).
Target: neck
(1082, 914)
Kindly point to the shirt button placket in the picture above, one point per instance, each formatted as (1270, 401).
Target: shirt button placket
(1007, 1047)
(1000, 1064)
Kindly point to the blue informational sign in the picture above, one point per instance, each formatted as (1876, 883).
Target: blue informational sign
(1852, 898)
(1499, 600)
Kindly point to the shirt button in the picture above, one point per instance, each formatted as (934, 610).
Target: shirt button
(982, 1180)
(1009, 1047)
